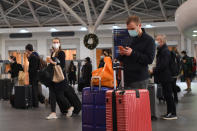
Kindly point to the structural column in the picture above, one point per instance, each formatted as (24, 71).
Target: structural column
(189, 47)
(0, 47)
(182, 43)
(3, 56)
(42, 47)
(192, 48)
(84, 52)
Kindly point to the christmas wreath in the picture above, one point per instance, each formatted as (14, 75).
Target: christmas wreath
(91, 41)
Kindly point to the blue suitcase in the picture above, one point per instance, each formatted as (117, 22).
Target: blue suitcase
(94, 108)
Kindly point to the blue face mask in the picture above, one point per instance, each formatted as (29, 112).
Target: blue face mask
(156, 43)
(133, 33)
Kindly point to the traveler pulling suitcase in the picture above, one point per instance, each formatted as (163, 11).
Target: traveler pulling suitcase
(23, 97)
(127, 110)
(94, 108)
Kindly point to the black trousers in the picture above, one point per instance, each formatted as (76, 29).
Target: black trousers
(72, 81)
(174, 89)
(57, 95)
(34, 83)
(167, 92)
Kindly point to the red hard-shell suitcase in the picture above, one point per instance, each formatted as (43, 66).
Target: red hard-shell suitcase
(128, 110)
(132, 111)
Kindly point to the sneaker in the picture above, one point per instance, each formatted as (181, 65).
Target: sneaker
(51, 116)
(170, 117)
(70, 112)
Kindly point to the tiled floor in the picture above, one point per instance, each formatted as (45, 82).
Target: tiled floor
(34, 119)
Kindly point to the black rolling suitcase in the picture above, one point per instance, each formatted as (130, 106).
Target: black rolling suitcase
(151, 89)
(160, 95)
(23, 97)
(73, 99)
(1, 88)
(5, 89)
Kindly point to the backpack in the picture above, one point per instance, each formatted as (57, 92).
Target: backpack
(175, 64)
(42, 64)
(193, 65)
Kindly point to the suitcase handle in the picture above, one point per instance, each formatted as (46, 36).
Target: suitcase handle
(116, 67)
(96, 77)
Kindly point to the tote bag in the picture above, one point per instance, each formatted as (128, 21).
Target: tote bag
(58, 75)
(106, 74)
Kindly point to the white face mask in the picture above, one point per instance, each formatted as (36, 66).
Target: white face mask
(157, 43)
(56, 45)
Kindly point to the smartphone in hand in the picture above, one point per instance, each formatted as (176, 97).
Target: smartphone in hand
(121, 48)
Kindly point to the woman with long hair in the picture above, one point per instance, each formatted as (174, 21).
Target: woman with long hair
(56, 90)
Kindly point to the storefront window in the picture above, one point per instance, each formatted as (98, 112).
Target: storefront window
(70, 54)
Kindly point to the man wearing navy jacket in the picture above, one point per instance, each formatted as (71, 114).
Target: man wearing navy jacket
(34, 63)
(137, 55)
(163, 74)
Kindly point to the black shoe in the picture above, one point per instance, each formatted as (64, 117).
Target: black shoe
(153, 118)
(170, 117)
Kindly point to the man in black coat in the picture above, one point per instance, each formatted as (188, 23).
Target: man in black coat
(162, 72)
(86, 75)
(137, 55)
(87, 72)
(34, 63)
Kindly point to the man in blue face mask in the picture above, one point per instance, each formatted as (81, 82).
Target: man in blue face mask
(137, 55)
(163, 74)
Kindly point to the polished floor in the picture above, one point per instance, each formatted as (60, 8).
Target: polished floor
(34, 119)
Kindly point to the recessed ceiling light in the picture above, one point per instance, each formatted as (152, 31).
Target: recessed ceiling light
(53, 30)
(195, 31)
(83, 29)
(23, 31)
(194, 35)
(115, 27)
(148, 26)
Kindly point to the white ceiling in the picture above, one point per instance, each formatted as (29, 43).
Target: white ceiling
(46, 13)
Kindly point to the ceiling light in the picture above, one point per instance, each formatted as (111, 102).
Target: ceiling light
(53, 30)
(83, 29)
(115, 27)
(148, 26)
(23, 31)
(195, 31)
(194, 35)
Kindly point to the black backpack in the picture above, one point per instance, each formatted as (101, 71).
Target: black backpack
(175, 64)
